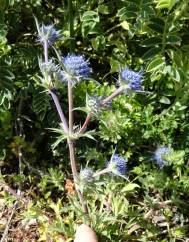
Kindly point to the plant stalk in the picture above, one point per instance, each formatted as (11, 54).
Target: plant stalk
(75, 174)
(71, 143)
(60, 112)
(87, 121)
(71, 149)
(102, 172)
(113, 95)
(46, 46)
(70, 102)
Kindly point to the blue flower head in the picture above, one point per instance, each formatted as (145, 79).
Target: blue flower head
(160, 154)
(117, 165)
(48, 33)
(75, 68)
(132, 79)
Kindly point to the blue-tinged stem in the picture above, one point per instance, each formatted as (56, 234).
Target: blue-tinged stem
(102, 172)
(112, 96)
(59, 110)
(46, 46)
(53, 95)
(71, 119)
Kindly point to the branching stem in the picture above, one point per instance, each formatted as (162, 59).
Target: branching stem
(103, 103)
(60, 112)
(112, 96)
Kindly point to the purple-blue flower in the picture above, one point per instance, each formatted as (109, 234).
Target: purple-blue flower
(133, 79)
(159, 155)
(117, 165)
(48, 33)
(75, 68)
(76, 65)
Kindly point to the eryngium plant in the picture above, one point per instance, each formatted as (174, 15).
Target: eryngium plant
(71, 70)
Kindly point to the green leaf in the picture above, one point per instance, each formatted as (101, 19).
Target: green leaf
(151, 53)
(127, 13)
(103, 9)
(151, 41)
(173, 72)
(5, 98)
(130, 187)
(169, 4)
(40, 104)
(99, 42)
(125, 25)
(90, 16)
(164, 100)
(179, 107)
(155, 64)
(6, 76)
(174, 39)
(88, 134)
(114, 64)
(156, 24)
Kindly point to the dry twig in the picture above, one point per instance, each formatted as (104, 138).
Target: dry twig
(5, 233)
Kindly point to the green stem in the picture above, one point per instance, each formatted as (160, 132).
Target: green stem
(164, 35)
(71, 26)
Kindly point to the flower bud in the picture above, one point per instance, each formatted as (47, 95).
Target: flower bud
(132, 79)
(160, 154)
(48, 33)
(86, 175)
(117, 165)
(94, 103)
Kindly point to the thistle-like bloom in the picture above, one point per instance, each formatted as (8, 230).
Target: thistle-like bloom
(47, 67)
(47, 33)
(160, 154)
(93, 103)
(86, 175)
(117, 165)
(75, 68)
(133, 79)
